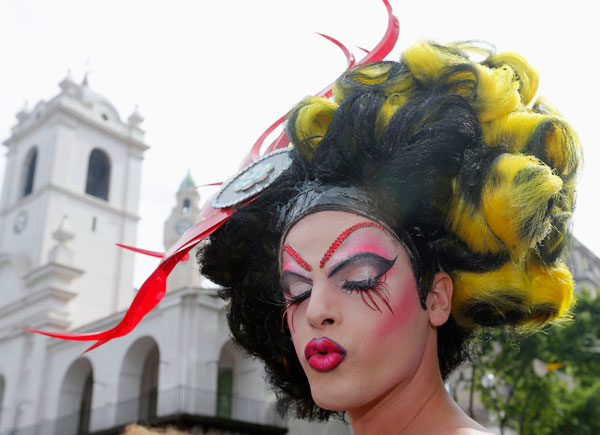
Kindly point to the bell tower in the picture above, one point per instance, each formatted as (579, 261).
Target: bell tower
(71, 191)
(185, 214)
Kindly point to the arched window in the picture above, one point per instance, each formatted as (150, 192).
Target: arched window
(187, 206)
(229, 380)
(85, 406)
(224, 392)
(75, 399)
(149, 386)
(98, 175)
(138, 382)
(29, 172)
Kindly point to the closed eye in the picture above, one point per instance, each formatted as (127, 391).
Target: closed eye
(373, 288)
(364, 284)
(368, 266)
(298, 298)
(295, 285)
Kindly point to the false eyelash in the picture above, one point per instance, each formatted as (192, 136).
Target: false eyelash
(290, 306)
(298, 298)
(367, 288)
(287, 312)
(365, 284)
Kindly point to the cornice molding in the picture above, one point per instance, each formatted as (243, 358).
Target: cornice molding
(61, 104)
(84, 197)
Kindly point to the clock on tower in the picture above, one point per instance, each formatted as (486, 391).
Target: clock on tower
(182, 225)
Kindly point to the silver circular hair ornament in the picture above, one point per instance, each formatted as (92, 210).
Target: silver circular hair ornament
(253, 179)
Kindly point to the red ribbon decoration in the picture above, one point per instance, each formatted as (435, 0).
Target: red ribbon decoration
(154, 288)
(380, 51)
(147, 252)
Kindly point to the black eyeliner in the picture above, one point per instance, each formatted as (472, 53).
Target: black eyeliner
(372, 259)
(299, 298)
(370, 282)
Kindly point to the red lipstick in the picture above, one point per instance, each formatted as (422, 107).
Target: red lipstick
(324, 354)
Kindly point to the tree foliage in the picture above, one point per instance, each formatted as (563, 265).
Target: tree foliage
(563, 401)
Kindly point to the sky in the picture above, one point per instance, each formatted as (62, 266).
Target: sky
(210, 76)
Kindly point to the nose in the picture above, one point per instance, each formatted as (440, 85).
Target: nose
(323, 306)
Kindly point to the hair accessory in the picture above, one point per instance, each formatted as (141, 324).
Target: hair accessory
(253, 179)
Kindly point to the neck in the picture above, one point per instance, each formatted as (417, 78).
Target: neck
(408, 407)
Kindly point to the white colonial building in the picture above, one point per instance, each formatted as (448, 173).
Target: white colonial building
(71, 192)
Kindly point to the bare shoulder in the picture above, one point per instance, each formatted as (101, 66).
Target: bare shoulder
(468, 431)
(460, 431)
(468, 427)
(465, 426)
(450, 419)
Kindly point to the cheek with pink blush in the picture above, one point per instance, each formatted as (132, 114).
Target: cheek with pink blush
(404, 302)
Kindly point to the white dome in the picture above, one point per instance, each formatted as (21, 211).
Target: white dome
(97, 102)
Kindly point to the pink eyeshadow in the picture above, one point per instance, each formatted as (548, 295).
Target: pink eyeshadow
(367, 243)
(343, 236)
(372, 247)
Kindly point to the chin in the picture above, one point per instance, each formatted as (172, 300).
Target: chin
(336, 399)
(329, 402)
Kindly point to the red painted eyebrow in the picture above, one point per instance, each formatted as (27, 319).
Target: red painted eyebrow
(303, 264)
(340, 239)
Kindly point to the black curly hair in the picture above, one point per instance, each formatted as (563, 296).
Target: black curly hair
(417, 140)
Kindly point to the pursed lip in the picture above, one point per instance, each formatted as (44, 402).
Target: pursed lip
(324, 354)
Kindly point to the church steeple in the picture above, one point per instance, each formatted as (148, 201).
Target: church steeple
(72, 155)
(185, 213)
(183, 216)
(187, 182)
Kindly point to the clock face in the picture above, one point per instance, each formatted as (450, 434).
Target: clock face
(182, 225)
(20, 221)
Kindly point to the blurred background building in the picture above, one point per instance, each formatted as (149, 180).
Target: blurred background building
(71, 192)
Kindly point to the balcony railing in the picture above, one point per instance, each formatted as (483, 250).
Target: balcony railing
(154, 406)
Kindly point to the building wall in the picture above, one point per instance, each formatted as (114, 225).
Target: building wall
(185, 328)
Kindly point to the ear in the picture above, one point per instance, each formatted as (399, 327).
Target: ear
(439, 299)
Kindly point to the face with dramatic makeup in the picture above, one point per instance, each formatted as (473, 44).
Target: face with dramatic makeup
(354, 315)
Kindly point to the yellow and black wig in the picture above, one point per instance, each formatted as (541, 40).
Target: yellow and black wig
(455, 158)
